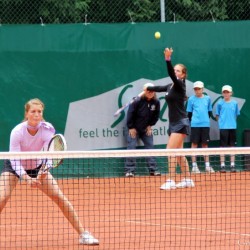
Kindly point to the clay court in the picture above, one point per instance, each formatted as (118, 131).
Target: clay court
(133, 213)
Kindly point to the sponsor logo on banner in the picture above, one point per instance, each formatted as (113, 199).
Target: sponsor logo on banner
(91, 124)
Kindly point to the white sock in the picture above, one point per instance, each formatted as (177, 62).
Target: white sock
(194, 164)
(207, 164)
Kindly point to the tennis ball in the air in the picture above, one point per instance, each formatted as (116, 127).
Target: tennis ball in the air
(157, 35)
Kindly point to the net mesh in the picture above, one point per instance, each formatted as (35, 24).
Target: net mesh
(132, 213)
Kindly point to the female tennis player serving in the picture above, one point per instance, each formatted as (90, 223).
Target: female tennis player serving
(178, 121)
(34, 134)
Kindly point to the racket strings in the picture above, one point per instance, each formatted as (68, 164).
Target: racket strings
(57, 144)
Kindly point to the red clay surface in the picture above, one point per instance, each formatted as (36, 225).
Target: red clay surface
(134, 213)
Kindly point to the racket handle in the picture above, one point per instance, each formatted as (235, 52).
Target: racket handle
(45, 168)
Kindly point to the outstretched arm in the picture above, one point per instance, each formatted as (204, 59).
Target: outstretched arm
(178, 82)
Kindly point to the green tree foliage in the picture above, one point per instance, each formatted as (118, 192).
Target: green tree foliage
(144, 10)
(75, 11)
(51, 11)
(64, 11)
(197, 10)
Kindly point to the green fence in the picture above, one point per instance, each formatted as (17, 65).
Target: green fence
(65, 63)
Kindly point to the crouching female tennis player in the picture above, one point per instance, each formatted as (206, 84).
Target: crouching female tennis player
(34, 134)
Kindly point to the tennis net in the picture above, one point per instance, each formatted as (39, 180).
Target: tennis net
(132, 213)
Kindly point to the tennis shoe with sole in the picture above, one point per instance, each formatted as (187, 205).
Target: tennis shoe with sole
(196, 170)
(233, 169)
(223, 170)
(129, 174)
(209, 170)
(86, 238)
(169, 184)
(155, 173)
(185, 183)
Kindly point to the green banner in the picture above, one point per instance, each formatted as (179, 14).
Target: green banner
(61, 64)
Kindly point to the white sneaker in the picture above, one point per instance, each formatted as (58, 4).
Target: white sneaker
(169, 184)
(196, 170)
(129, 174)
(210, 170)
(185, 183)
(87, 238)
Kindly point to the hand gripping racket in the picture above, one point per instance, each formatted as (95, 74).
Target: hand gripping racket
(127, 104)
(57, 143)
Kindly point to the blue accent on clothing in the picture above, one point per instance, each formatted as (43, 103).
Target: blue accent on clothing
(227, 113)
(199, 107)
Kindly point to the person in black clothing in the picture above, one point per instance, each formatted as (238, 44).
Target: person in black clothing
(178, 121)
(142, 114)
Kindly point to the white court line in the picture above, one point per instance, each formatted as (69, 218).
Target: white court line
(216, 215)
(189, 228)
(211, 215)
(202, 215)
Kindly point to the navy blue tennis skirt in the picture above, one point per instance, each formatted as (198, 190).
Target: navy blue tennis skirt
(8, 168)
(180, 127)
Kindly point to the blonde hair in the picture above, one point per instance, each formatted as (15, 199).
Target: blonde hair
(28, 104)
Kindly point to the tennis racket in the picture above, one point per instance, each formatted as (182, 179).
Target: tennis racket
(127, 104)
(57, 143)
